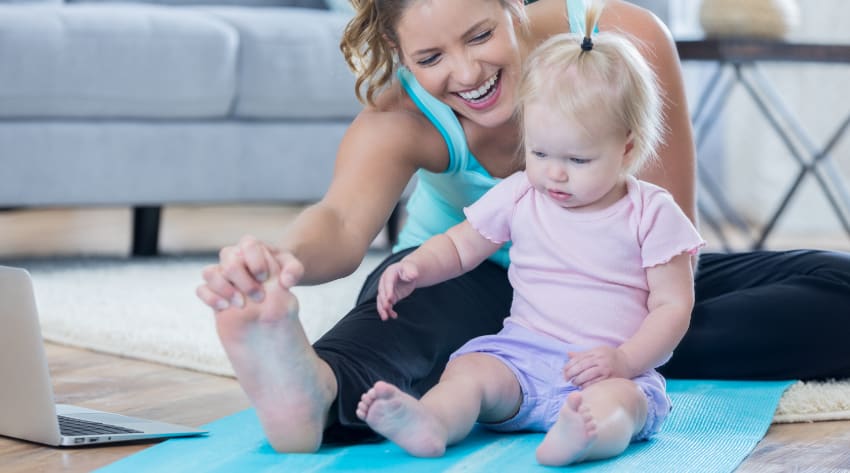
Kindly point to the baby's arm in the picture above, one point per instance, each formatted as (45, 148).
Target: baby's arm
(441, 258)
(671, 300)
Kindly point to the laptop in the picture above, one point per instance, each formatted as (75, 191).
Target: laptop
(27, 408)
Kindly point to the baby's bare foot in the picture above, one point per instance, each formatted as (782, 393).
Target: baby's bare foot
(402, 419)
(569, 440)
(288, 384)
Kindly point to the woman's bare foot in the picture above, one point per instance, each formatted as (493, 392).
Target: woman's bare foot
(569, 440)
(402, 419)
(288, 384)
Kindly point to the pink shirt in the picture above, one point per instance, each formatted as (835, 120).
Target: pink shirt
(580, 277)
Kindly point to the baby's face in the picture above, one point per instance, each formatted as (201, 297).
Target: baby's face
(579, 169)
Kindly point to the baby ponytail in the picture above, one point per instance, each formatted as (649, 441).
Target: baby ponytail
(591, 17)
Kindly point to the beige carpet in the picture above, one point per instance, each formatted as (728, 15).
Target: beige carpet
(147, 309)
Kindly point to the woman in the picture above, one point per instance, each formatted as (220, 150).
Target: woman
(448, 115)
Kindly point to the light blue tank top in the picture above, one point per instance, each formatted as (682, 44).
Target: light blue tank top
(437, 202)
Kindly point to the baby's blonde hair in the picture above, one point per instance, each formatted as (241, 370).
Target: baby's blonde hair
(611, 80)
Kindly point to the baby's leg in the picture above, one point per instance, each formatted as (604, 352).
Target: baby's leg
(401, 418)
(598, 422)
(473, 387)
(572, 436)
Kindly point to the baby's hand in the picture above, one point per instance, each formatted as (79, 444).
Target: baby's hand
(594, 365)
(397, 282)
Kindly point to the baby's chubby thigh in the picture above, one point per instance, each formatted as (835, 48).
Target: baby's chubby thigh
(535, 361)
(484, 381)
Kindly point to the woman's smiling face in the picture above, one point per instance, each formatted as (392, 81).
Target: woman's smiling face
(464, 53)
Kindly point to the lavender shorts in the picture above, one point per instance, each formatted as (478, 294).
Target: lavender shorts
(537, 361)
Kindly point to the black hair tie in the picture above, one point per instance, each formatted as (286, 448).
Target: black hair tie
(586, 44)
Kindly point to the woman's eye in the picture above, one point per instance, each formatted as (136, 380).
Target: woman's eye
(428, 60)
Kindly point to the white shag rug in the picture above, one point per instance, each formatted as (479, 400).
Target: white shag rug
(147, 309)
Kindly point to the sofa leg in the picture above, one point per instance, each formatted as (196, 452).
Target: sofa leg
(146, 231)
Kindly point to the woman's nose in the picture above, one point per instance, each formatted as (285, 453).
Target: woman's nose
(467, 71)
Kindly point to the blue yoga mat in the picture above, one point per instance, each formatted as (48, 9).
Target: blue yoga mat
(713, 427)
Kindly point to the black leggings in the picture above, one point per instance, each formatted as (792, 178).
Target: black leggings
(768, 315)
(759, 315)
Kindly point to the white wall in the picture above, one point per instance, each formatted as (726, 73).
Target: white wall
(756, 167)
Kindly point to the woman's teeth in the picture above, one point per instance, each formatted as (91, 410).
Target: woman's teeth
(481, 91)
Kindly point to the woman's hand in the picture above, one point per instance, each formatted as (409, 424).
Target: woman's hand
(397, 282)
(594, 365)
(242, 270)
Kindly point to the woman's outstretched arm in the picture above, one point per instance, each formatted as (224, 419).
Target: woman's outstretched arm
(377, 157)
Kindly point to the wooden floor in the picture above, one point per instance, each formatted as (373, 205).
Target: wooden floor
(123, 386)
(174, 395)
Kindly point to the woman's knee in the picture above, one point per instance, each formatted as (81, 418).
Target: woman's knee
(831, 266)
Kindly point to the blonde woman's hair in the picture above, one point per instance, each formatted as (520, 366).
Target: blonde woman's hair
(605, 81)
(370, 40)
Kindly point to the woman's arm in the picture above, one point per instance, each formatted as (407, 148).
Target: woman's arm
(377, 157)
(676, 169)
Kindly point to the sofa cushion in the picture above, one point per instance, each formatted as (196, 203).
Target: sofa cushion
(115, 61)
(150, 162)
(290, 63)
(31, 1)
(242, 3)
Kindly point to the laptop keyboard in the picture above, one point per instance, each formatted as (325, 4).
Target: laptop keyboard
(71, 426)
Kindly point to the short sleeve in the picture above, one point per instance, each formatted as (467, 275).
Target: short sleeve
(665, 231)
(491, 214)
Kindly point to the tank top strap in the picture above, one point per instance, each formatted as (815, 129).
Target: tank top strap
(442, 117)
(576, 10)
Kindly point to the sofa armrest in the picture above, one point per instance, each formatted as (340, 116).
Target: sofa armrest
(2, 2)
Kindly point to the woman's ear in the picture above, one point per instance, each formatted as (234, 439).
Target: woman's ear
(389, 41)
(396, 51)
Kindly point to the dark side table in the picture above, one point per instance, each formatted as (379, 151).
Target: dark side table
(737, 63)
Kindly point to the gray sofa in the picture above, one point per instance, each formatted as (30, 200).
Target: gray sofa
(110, 103)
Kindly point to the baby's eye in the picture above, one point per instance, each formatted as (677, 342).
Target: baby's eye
(538, 154)
(579, 160)
(482, 37)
